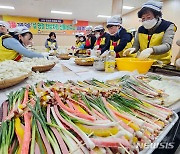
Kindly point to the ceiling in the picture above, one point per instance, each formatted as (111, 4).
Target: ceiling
(81, 9)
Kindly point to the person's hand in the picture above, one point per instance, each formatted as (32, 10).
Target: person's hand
(52, 47)
(104, 54)
(51, 51)
(96, 47)
(128, 51)
(145, 53)
(45, 54)
(53, 58)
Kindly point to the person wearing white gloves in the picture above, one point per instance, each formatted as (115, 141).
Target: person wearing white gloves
(154, 38)
(102, 39)
(14, 48)
(51, 43)
(120, 39)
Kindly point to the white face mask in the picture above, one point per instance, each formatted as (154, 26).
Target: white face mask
(148, 24)
(97, 35)
(81, 39)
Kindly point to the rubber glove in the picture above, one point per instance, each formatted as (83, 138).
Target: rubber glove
(45, 54)
(145, 53)
(53, 58)
(96, 47)
(52, 46)
(104, 54)
(128, 51)
(95, 53)
(51, 51)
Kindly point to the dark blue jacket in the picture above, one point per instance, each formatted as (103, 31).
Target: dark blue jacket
(124, 38)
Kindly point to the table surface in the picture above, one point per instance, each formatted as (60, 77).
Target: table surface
(68, 70)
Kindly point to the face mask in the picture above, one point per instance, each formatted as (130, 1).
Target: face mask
(149, 23)
(81, 39)
(97, 35)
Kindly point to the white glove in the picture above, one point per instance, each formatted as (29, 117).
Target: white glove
(54, 59)
(45, 54)
(52, 46)
(51, 51)
(177, 63)
(95, 53)
(145, 53)
(104, 54)
(96, 47)
(128, 51)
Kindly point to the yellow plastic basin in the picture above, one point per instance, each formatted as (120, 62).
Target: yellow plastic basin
(132, 64)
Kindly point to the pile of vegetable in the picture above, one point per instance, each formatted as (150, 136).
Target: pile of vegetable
(83, 117)
(138, 86)
(32, 62)
(12, 69)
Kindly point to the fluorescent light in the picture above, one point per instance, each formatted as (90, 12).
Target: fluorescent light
(60, 12)
(128, 7)
(7, 7)
(103, 16)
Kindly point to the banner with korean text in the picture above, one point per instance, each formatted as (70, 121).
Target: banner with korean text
(45, 26)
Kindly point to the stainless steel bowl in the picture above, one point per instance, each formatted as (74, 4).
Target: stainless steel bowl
(99, 65)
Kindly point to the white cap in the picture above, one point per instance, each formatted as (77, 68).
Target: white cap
(81, 34)
(99, 27)
(5, 24)
(153, 5)
(89, 28)
(20, 30)
(77, 34)
(114, 20)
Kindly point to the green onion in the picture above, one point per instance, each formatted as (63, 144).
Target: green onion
(33, 136)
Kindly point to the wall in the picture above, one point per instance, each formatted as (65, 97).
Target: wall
(170, 12)
(63, 40)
